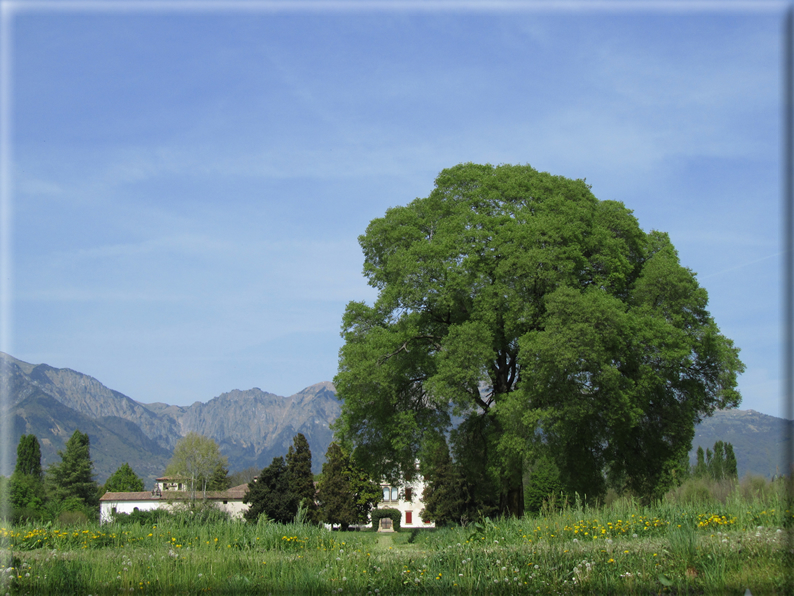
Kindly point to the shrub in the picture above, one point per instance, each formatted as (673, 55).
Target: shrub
(143, 518)
(72, 518)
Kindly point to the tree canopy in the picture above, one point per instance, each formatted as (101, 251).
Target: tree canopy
(124, 480)
(198, 459)
(547, 321)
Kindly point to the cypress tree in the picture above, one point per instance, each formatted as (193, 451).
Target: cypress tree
(301, 479)
(730, 462)
(25, 485)
(28, 456)
(717, 463)
(701, 469)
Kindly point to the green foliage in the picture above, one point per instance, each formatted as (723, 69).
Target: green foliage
(198, 459)
(141, 518)
(301, 479)
(394, 514)
(28, 457)
(444, 492)
(544, 317)
(72, 479)
(544, 484)
(220, 478)
(718, 464)
(346, 493)
(270, 494)
(124, 480)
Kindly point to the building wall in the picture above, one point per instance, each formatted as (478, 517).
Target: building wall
(409, 508)
(106, 508)
(235, 508)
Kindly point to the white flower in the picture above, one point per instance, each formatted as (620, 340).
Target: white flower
(27, 575)
(537, 566)
(460, 575)
(200, 574)
(576, 540)
(504, 568)
(633, 535)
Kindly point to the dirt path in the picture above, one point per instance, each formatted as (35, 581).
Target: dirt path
(385, 540)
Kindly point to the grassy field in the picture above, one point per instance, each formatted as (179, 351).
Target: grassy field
(713, 547)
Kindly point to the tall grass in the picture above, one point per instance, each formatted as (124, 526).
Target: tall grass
(717, 542)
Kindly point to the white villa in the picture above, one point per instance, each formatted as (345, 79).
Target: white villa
(407, 499)
(167, 492)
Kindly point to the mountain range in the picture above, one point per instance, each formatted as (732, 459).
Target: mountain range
(252, 426)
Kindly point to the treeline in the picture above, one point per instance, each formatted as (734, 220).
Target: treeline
(459, 490)
(286, 490)
(67, 490)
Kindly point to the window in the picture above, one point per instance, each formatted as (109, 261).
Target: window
(386, 493)
(394, 493)
(409, 517)
(407, 493)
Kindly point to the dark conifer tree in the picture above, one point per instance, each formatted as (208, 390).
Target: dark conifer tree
(270, 494)
(701, 469)
(28, 456)
(346, 493)
(26, 494)
(73, 477)
(443, 494)
(220, 478)
(730, 462)
(301, 479)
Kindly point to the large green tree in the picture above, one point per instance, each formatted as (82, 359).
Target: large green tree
(73, 479)
(546, 319)
(198, 459)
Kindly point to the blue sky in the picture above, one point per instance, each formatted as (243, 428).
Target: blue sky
(188, 187)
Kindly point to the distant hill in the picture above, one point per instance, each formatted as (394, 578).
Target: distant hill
(250, 426)
(757, 439)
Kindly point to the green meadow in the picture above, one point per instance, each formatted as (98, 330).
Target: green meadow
(718, 538)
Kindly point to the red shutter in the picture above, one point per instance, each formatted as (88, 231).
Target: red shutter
(409, 517)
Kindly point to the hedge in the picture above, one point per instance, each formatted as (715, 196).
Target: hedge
(377, 514)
